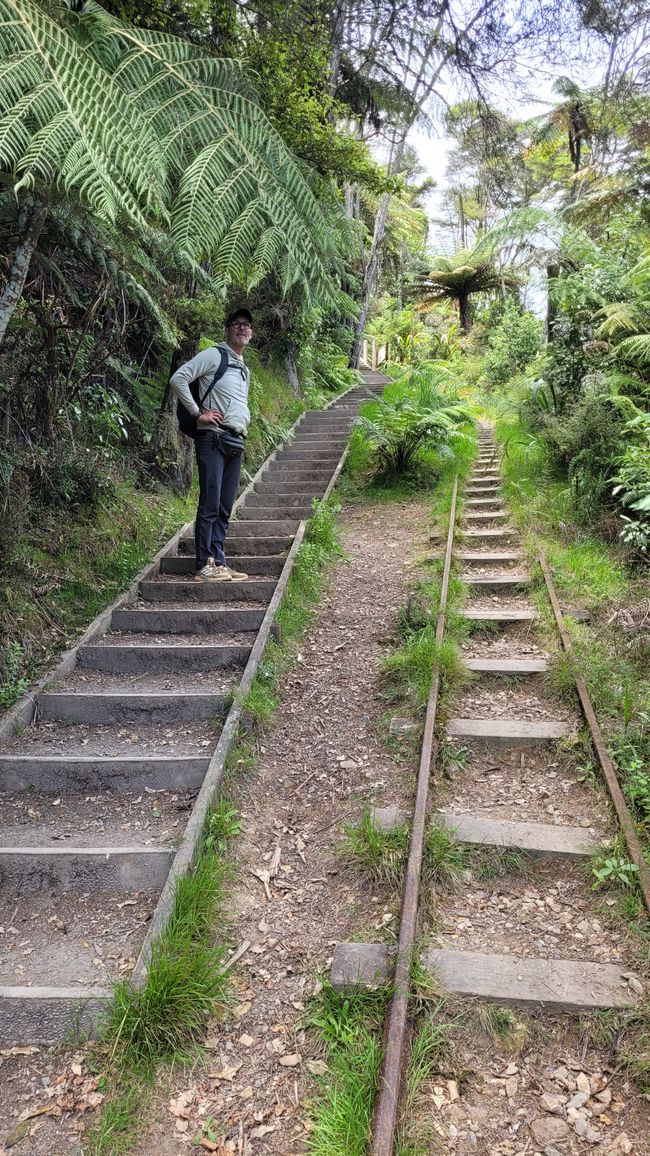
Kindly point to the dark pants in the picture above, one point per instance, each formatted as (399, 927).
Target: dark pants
(218, 481)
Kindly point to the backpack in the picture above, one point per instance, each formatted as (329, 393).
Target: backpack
(186, 420)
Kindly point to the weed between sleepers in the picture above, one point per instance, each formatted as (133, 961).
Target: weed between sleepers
(349, 1029)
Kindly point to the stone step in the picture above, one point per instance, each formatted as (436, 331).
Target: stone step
(29, 869)
(487, 558)
(543, 840)
(45, 1015)
(203, 621)
(124, 775)
(261, 546)
(502, 732)
(247, 590)
(507, 665)
(119, 659)
(119, 708)
(501, 614)
(506, 580)
(271, 527)
(272, 508)
(562, 984)
(266, 564)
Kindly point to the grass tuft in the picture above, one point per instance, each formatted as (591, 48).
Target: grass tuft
(444, 858)
(380, 856)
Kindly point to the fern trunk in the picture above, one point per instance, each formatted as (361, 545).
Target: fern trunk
(464, 312)
(173, 452)
(31, 218)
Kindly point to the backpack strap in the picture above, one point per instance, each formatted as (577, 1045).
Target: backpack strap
(219, 372)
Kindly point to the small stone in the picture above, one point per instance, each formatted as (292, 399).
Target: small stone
(452, 1088)
(512, 1084)
(583, 1083)
(246, 1093)
(316, 1067)
(578, 1101)
(552, 1103)
(246, 1041)
(290, 1061)
(604, 1097)
(546, 1129)
(636, 985)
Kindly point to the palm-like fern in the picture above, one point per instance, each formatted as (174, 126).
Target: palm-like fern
(407, 420)
(143, 126)
(628, 322)
(457, 278)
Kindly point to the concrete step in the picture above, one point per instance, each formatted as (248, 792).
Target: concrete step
(483, 503)
(124, 707)
(317, 456)
(310, 465)
(541, 840)
(60, 773)
(303, 491)
(266, 565)
(45, 1015)
(562, 984)
(271, 527)
(487, 558)
(505, 580)
(280, 498)
(261, 546)
(501, 614)
(119, 659)
(507, 665)
(273, 509)
(203, 621)
(319, 479)
(28, 869)
(168, 590)
(502, 732)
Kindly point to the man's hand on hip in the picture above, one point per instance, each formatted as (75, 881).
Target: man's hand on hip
(210, 417)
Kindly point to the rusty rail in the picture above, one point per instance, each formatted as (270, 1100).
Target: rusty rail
(388, 1095)
(609, 771)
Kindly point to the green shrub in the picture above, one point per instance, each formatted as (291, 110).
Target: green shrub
(513, 343)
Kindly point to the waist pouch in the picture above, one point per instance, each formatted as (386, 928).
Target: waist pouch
(229, 442)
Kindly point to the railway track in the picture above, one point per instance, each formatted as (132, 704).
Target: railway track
(510, 738)
(108, 768)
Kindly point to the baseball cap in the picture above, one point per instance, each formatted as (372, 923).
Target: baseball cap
(232, 317)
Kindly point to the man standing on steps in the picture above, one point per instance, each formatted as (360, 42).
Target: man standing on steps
(222, 420)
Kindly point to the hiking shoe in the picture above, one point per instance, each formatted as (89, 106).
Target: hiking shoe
(236, 575)
(212, 573)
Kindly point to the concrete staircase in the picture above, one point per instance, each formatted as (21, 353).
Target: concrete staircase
(97, 792)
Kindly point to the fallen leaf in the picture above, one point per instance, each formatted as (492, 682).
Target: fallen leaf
(19, 1051)
(226, 1073)
(263, 1130)
(18, 1134)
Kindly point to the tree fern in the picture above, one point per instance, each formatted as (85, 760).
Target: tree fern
(143, 126)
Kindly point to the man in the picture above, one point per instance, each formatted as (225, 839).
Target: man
(224, 408)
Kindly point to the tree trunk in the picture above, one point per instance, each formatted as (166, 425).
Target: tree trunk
(370, 278)
(31, 218)
(461, 221)
(292, 369)
(336, 44)
(552, 272)
(464, 313)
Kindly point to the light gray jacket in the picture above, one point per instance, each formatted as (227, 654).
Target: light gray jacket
(229, 395)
